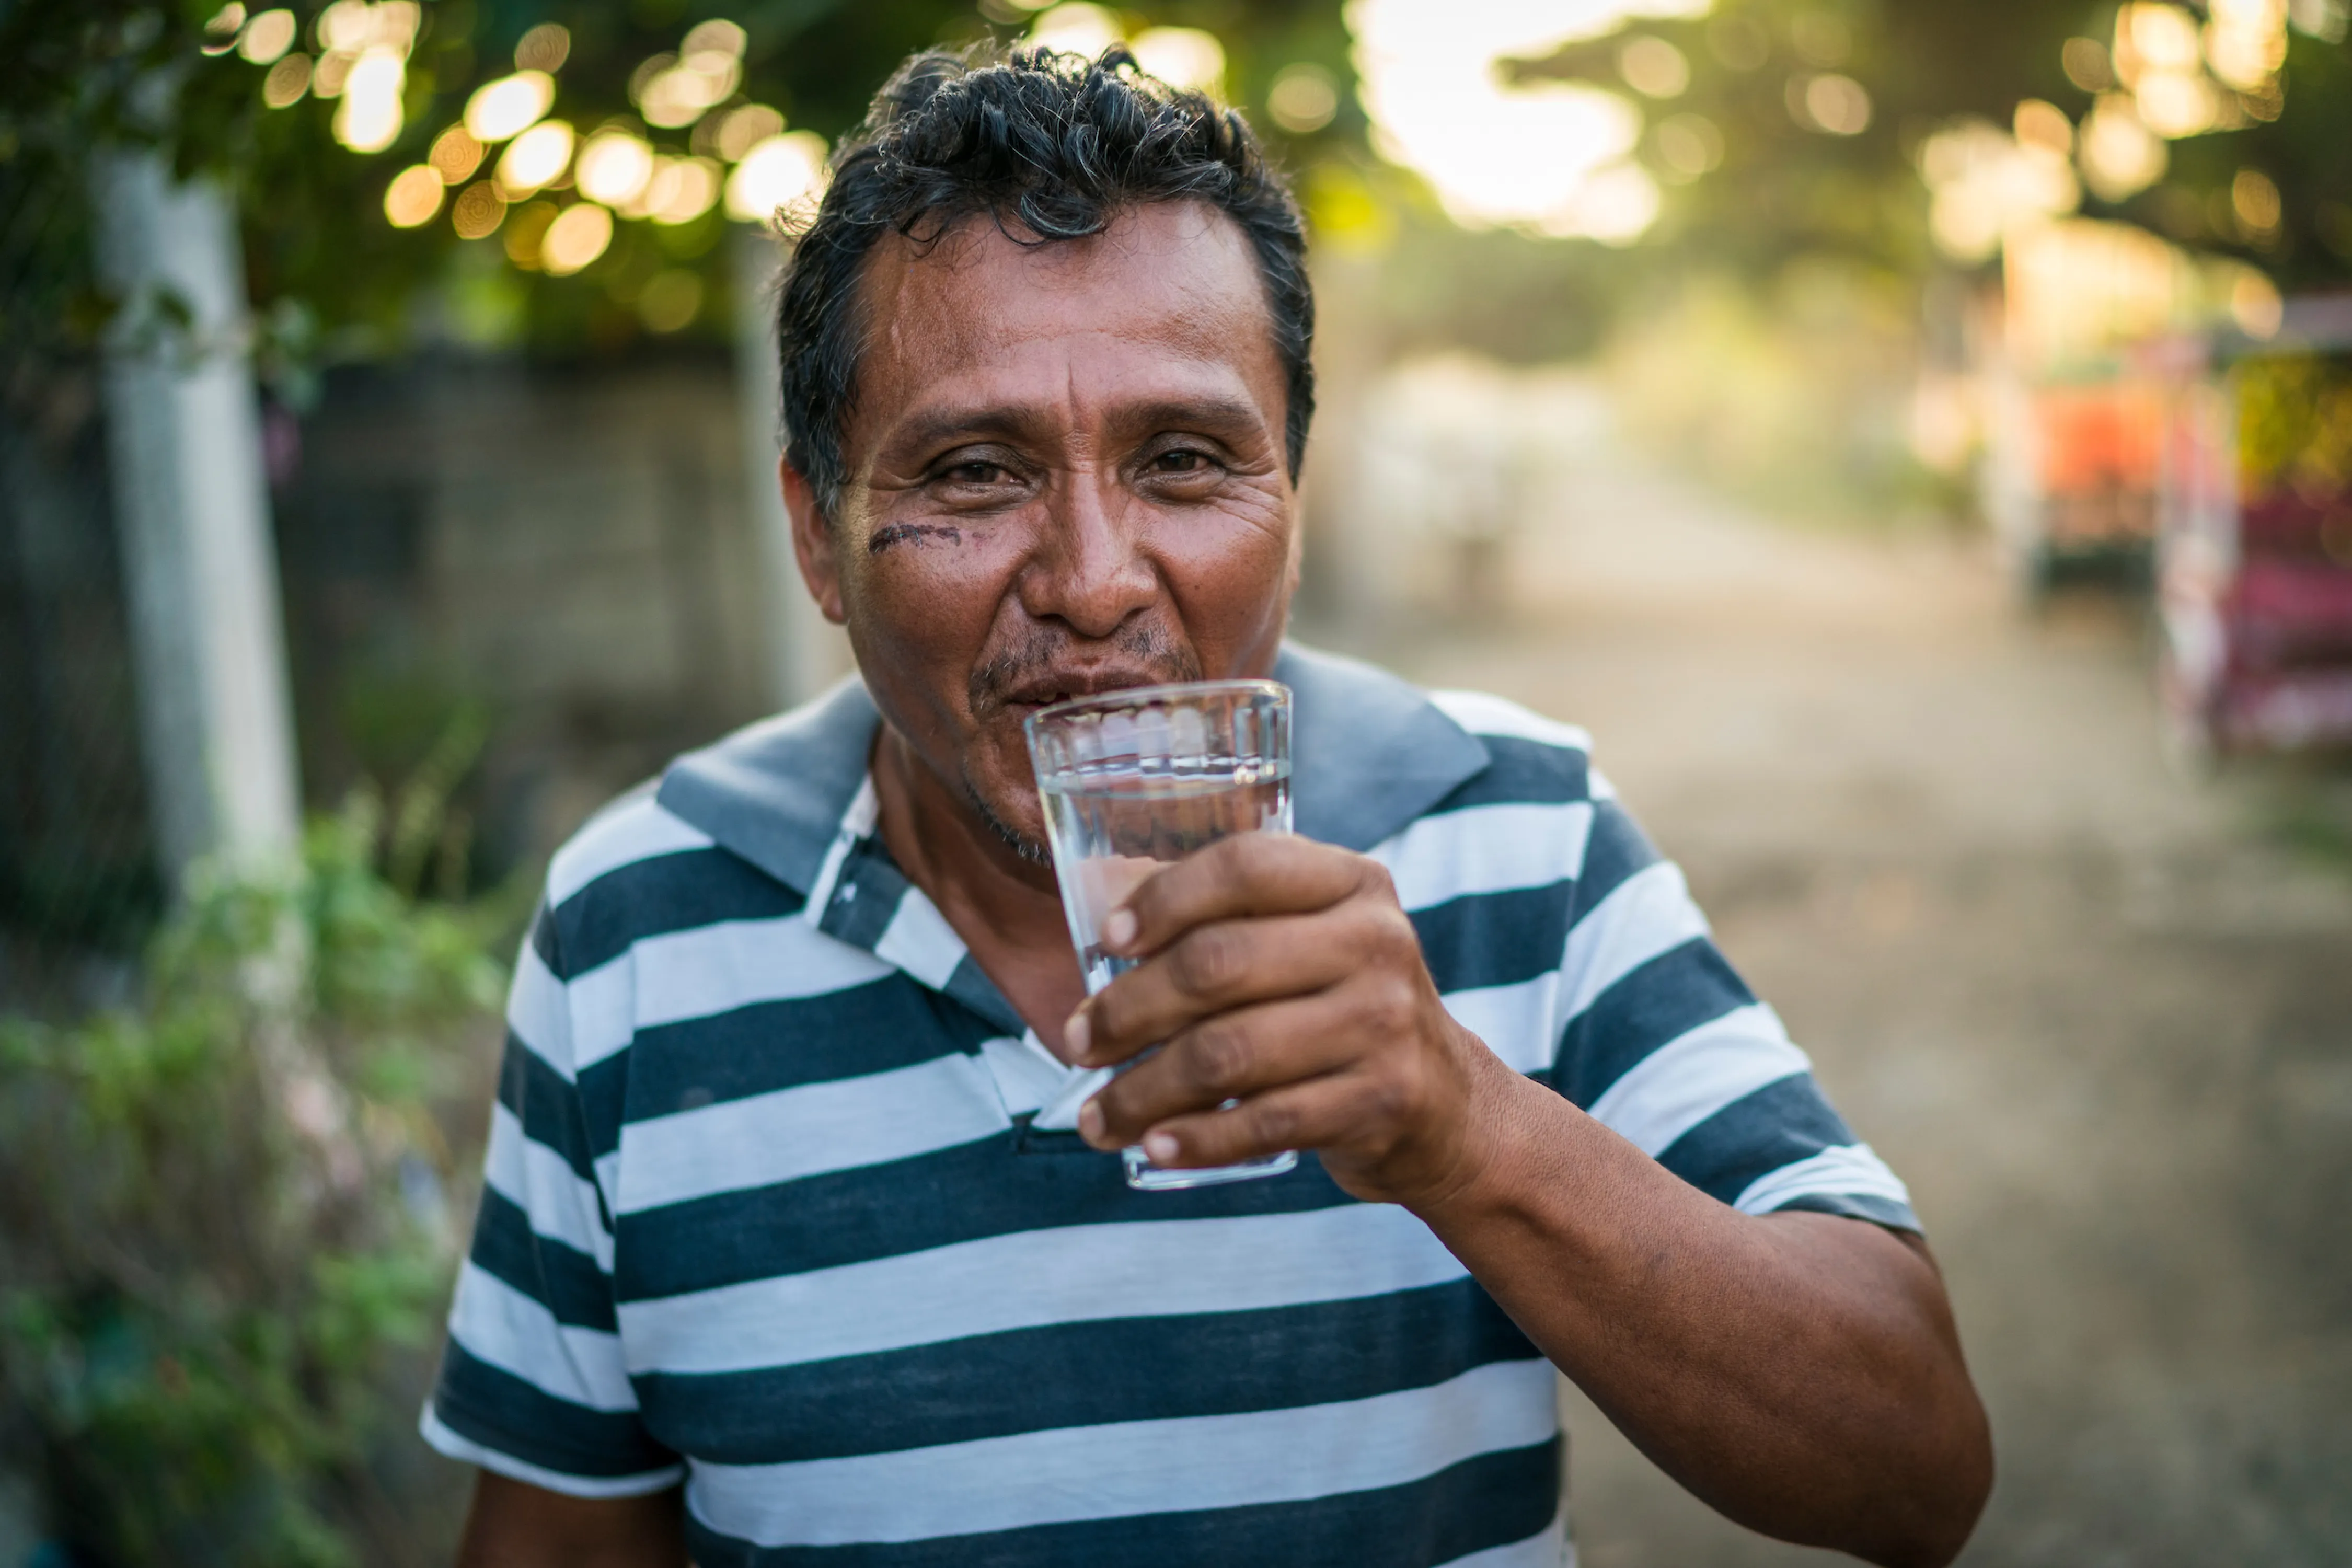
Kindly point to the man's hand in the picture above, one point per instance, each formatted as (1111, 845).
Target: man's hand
(1282, 973)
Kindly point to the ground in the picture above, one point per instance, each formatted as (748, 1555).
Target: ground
(2098, 1015)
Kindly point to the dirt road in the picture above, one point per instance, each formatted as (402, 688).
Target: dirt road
(2095, 1017)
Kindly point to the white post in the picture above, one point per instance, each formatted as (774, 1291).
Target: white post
(192, 509)
(805, 652)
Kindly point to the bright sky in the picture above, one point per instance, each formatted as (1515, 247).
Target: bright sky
(1551, 155)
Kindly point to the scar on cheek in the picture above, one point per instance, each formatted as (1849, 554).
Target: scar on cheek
(902, 533)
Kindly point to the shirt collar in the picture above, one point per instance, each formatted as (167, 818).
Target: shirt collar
(1370, 753)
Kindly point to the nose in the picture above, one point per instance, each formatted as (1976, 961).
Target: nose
(1089, 570)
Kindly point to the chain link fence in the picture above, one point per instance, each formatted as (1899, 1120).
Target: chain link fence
(78, 886)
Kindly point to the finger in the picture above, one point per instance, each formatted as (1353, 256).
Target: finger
(1316, 1114)
(1248, 875)
(1234, 1054)
(1219, 966)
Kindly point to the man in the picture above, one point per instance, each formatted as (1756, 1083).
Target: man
(800, 1190)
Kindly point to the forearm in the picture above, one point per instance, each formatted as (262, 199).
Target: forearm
(1800, 1372)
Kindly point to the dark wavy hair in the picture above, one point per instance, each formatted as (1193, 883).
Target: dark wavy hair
(1050, 147)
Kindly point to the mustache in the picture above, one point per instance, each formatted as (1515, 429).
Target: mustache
(1043, 651)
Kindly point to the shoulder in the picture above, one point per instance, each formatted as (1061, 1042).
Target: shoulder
(637, 871)
(1532, 759)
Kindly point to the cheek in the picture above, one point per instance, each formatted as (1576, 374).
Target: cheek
(1226, 574)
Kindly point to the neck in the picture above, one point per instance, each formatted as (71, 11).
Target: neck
(1006, 908)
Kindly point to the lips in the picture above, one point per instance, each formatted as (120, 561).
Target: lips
(1060, 685)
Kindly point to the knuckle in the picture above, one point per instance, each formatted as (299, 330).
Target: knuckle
(1276, 1125)
(1375, 878)
(1220, 1058)
(1206, 961)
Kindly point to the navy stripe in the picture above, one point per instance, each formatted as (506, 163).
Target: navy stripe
(1786, 1120)
(659, 894)
(893, 1022)
(548, 1108)
(502, 1412)
(1084, 1374)
(1491, 1500)
(1522, 773)
(1614, 849)
(566, 1283)
(967, 1192)
(1495, 939)
(1657, 1002)
(867, 893)
(970, 986)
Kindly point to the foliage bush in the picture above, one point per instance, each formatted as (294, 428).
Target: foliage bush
(224, 1236)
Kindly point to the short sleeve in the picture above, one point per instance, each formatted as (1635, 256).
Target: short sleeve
(534, 1383)
(1664, 1044)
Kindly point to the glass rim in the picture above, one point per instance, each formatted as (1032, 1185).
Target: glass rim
(1149, 696)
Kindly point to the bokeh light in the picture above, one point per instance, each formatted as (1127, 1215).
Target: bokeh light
(744, 128)
(777, 174)
(544, 47)
(287, 80)
(1546, 155)
(1304, 98)
(1689, 145)
(267, 36)
(1076, 27)
(615, 167)
(509, 105)
(456, 155)
(2120, 156)
(1181, 57)
(535, 159)
(1829, 102)
(478, 211)
(221, 28)
(368, 120)
(577, 236)
(1652, 67)
(414, 196)
(681, 189)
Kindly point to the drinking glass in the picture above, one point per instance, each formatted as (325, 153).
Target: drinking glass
(1131, 780)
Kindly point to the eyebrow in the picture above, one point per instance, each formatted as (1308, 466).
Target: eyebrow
(1017, 421)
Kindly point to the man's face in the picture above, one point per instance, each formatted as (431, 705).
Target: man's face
(1066, 475)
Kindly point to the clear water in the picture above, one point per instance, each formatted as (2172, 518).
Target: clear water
(1113, 823)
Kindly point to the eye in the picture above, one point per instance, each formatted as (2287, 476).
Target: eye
(1181, 460)
(974, 473)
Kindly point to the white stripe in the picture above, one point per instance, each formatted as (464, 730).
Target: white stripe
(539, 1012)
(1486, 850)
(1130, 1468)
(1034, 1278)
(1694, 1075)
(1516, 1020)
(541, 1183)
(1482, 713)
(626, 833)
(709, 969)
(1548, 1548)
(1852, 1169)
(919, 941)
(499, 1324)
(457, 1445)
(789, 1134)
(1643, 916)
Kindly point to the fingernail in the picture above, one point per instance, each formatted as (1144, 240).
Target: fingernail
(1161, 1146)
(1118, 929)
(1076, 1037)
(1090, 1122)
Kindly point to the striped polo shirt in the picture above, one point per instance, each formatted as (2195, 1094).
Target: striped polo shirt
(783, 1201)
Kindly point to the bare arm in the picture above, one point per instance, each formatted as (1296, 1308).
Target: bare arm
(514, 1525)
(1798, 1372)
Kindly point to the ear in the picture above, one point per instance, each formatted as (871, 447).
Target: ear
(813, 542)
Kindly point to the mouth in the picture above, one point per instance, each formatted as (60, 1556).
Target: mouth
(1046, 689)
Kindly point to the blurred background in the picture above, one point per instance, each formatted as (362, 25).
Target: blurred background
(1917, 438)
